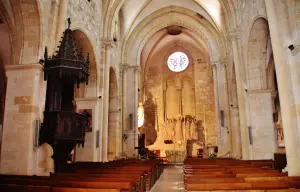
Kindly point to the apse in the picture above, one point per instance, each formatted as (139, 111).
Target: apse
(177, 92)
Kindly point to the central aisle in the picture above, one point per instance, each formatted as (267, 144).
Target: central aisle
(170, 180)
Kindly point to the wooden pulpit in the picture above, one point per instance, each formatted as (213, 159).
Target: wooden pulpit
(62, 127)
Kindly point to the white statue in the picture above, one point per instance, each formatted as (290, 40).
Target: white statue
(178, 130)
(193, 129)
(172, 129)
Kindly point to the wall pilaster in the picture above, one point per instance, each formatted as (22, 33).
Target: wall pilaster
(130, 108)
(234, 38)
(262, 127)
(106, 45)
(18, 155)
(89, 152)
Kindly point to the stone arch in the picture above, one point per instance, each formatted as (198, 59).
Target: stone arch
(14, 26)
(114, 138)
(32, 28)
(113, 8)
(257, 54)
(259, 107)
(171, 16)
(25, 29)
(83, 42)
(5, 60)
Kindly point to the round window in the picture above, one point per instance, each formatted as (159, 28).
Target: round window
(178, 61)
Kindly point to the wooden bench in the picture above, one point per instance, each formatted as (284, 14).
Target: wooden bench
(123, 175)
(236, 175)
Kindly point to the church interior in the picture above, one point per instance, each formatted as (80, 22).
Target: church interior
(117, 95)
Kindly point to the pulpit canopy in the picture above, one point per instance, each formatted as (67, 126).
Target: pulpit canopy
(67, 65)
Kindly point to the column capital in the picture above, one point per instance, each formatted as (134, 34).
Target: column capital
(106, 43)
(124, 67)
(214, 66)
(214, 63)
(233, 35)
(136, 68)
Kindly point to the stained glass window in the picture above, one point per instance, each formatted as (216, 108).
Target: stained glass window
(178, 61)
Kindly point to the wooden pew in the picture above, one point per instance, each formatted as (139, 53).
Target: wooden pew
(236, 175)
(127, 175)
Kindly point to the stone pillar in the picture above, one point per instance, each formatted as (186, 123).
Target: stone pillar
(165, 100)
(236, 133)
(105, 53)
(123, 75)
(89, 152)
(114, 135)
(233, 37)
(282, 72)
(131, 108)
(261, 117)
(179, 92)
(216, 93)
(22, 108)
(221, 99)
(226, 109)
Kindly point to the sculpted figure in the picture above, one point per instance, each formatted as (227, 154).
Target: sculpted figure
(178, 130)
(193, 129)
(172, 129)
(187, 130)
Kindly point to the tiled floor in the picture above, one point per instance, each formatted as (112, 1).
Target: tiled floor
(170, 180)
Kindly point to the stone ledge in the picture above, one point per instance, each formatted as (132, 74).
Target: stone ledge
(87, 99)
(259, 91)
(23, 67)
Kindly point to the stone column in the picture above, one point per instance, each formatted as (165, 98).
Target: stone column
(179, 92)
(89, 152)
(131, 108)
(282, 72)
(223, 104)
(261, 117)
(22, 108)
(233, 37)
(216, 93)
(226, 108)
(106, 44)
(236, 133)
(164, 100)
(123, 74)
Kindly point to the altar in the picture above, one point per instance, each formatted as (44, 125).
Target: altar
(175, 156)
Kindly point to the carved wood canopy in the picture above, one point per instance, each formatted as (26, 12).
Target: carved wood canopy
(67, 65)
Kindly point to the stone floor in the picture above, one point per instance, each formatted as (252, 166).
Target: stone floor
(170, 180)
